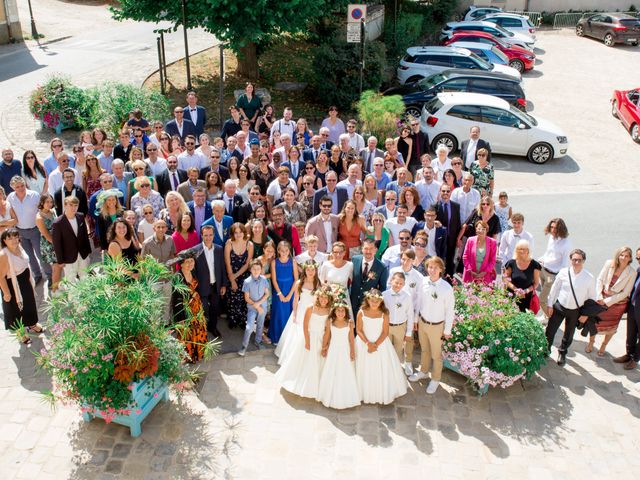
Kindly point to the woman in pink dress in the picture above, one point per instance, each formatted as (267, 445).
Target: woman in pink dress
(479, 257)
(185, 235)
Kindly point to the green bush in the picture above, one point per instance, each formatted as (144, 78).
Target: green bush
(336, 71)
(112, 103)
(409, 30)
(380, 114)
(59, 101)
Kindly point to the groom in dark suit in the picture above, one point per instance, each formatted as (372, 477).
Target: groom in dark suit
(368, 273)
(211, 287)
(448, 214)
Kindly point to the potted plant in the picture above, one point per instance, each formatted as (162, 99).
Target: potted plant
(59, 104)
(109, 350)
(493, 343)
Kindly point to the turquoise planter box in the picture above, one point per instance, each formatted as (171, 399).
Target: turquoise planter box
(145, 396)
(454, 368)
(58, 128)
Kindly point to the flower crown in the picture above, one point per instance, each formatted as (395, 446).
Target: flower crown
(374, 294)
(340, 304)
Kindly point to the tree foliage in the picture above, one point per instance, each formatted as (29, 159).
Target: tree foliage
(380, 114)
(237, 24)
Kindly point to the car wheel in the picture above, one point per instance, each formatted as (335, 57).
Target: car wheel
(608, 40)
(413, 111)
(447, 140)
(614, 109)
(635, 133)
(540, 153)
(517, 64)
(634, 44)
(580, 31)
(414, 79)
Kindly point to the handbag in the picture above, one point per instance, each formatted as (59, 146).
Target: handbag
(590, 308)
(534, 304)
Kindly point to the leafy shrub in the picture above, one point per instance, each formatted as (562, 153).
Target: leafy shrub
(59, 101)
(112, 103)
(492, 342)
(336, 68)
(380, 114)
(409, 30)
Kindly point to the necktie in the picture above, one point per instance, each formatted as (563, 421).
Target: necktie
(365, 271)
(446, 211)
(230, 206)
(633, 292)
(294, 170)
(175, 180)
(315, 155)
(369, 161)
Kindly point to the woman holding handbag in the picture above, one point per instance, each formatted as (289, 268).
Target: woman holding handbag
(613, 288)
(521, 276)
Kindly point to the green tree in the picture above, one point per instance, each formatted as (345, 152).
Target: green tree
(243, 26)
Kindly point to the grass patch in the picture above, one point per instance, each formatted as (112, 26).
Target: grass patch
(286, 60)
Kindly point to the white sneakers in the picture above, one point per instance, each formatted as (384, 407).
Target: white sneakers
(416, 377)
(242, 351)
(433, 386)
(408, 369)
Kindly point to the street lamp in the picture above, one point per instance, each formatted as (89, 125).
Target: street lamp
(34, 31)
(186, 44)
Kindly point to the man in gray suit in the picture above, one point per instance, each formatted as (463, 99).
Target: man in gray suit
(324, 226)
(369, 153)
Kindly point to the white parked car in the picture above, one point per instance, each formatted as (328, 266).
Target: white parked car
(448, 117)
(510, 38)
(422, 62)
(512, 22)
(474, 13)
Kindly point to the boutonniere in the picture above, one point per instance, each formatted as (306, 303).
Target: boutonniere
(371, 276)
(412, 285)
(225, 231)
(398, 305)
(434, 295)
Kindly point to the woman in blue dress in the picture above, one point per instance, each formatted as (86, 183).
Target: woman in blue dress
(284, 277)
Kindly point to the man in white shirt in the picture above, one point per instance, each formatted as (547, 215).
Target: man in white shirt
(190, 158)
(355, 139)
(55, 177)
(284, 125)
(157, 165)
(243, 145)
(392, 257)
(428, 188)
(413, 286)
(467, 197)
(513, 236)
(400, 222)
(401, 319)
(277, 187)
(285, 140)
(24, 203)
(555, 257)
(435, 320)
(572, 287)
(351, 182)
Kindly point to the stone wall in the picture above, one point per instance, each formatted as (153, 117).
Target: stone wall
(10, 29)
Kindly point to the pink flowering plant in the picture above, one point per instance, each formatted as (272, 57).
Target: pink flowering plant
(493, 343)
(59, 101)
(106, 333)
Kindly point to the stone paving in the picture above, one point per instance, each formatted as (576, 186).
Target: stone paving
(237, 424)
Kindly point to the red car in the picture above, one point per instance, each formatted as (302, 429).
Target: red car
(519, 58)
(625, 105)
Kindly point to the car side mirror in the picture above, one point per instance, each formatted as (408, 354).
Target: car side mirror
(522, 126)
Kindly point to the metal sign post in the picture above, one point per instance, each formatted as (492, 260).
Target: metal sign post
(356, 22)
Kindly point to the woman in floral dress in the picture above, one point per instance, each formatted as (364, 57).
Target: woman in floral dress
(44, 221)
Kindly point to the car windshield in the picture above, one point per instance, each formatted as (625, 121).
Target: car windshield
(500, 55)
(481, 61)
(503, 31)
(523, 116)
(432, 81)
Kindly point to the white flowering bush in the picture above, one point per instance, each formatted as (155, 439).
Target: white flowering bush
(492, 342)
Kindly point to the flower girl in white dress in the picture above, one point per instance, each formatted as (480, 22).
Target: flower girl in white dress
(380, 376)
(338, 387)
(304, 297)
(301, 368)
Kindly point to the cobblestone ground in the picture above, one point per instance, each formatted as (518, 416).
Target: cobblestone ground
(576, 422)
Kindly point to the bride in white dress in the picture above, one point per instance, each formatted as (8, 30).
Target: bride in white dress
(307, 285)
(338, 271)
(380, 376)
(300, 371)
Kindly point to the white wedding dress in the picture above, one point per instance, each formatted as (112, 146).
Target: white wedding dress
(294, 325)
(338, 386)
(381, 378)
(300, 370)
(339, 276)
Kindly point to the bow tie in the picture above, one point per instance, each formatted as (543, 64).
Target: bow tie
(395, 294)
(192, 109)
(431, 284)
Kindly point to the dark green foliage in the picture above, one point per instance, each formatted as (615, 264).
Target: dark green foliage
(337, 71)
